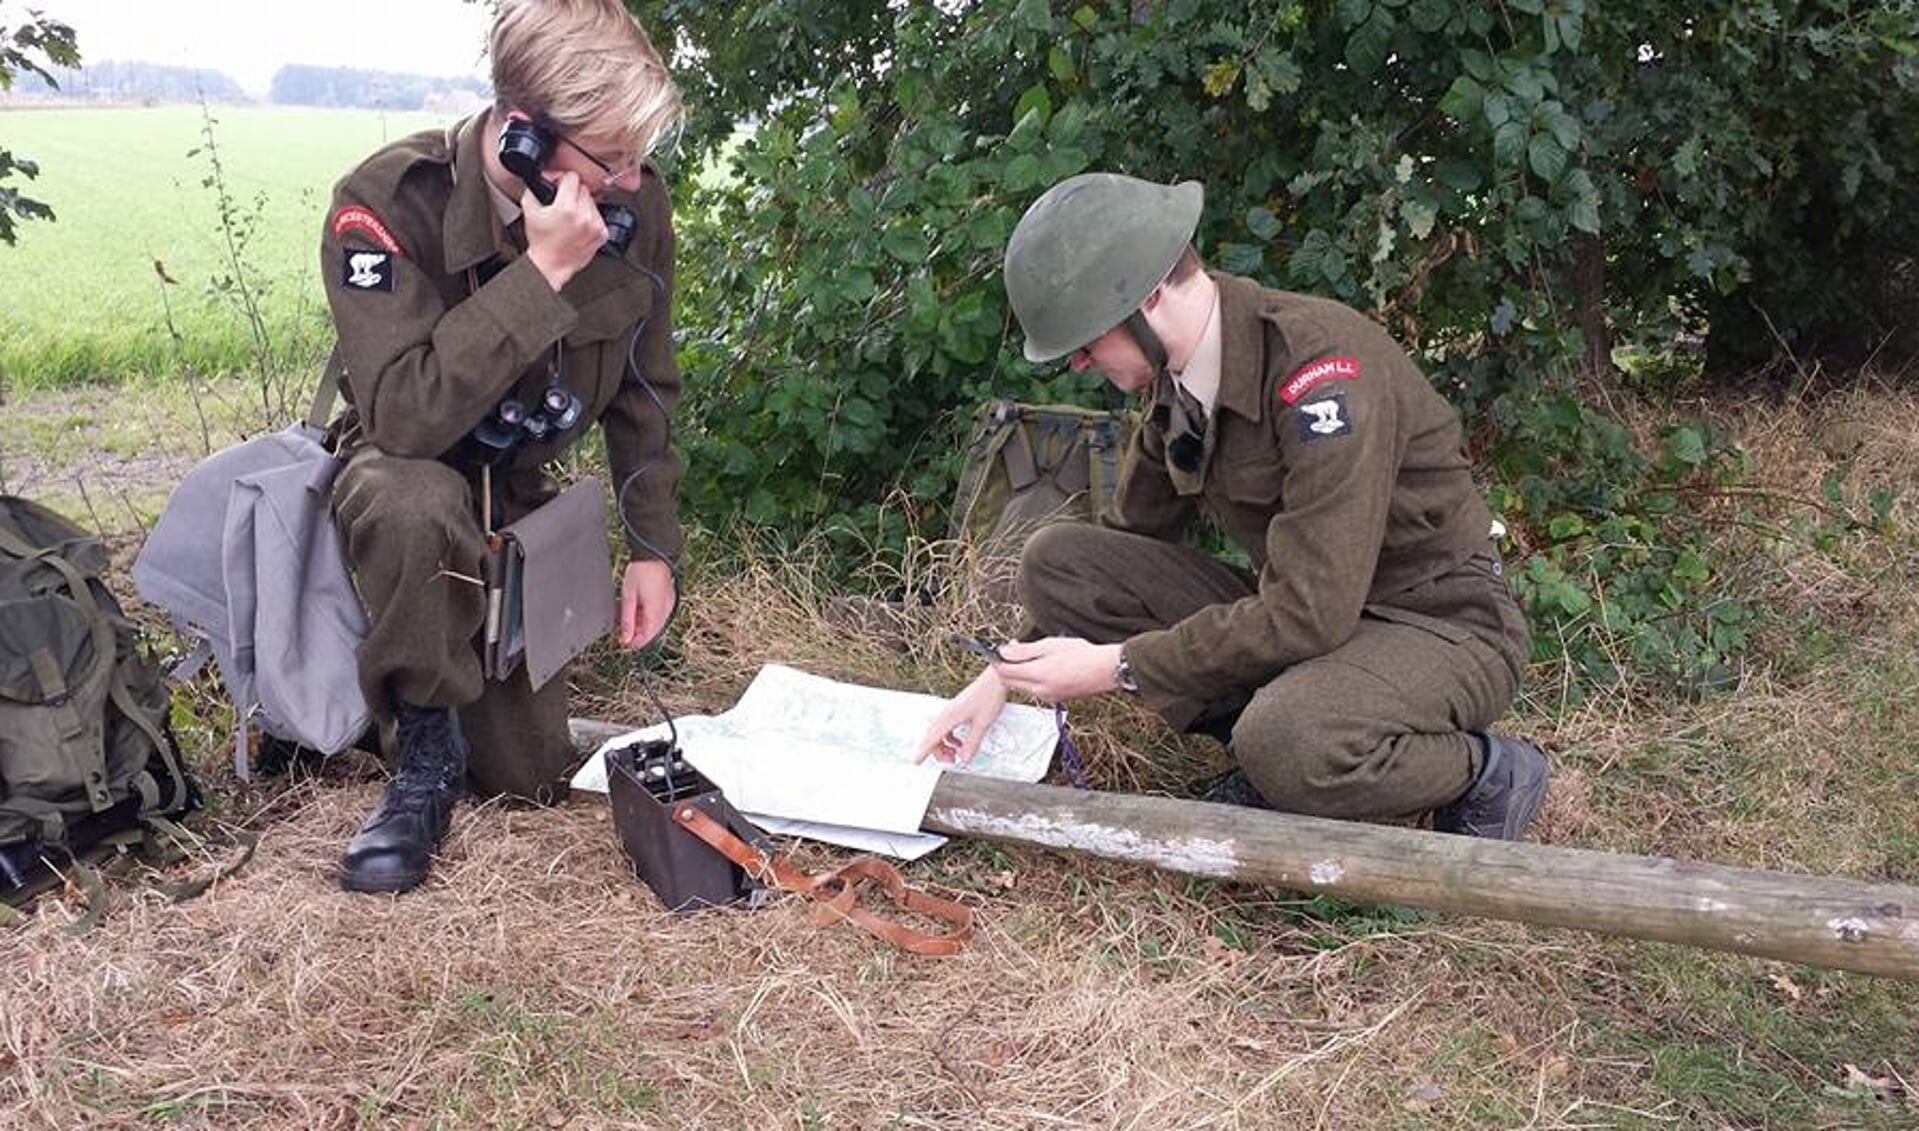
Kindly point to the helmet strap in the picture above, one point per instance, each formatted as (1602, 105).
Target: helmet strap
(1186, 446)
(1149, 343)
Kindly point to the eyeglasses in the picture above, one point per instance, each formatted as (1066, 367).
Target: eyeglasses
(613, 176)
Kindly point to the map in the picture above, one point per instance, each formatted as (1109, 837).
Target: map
(803, 755)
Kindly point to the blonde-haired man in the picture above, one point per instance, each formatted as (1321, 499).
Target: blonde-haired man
(474, 289)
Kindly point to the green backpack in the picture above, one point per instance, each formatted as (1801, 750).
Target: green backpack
(1027, 466)
(87, 758)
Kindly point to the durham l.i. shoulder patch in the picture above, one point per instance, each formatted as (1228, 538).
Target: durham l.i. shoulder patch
(1308, 376)
(1328, 416)
(363, 270)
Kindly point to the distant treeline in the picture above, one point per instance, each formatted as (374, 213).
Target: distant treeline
(133, 82)
(293, 85)
(301, 85)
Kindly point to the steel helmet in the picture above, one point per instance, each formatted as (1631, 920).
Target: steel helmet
(1089, 251)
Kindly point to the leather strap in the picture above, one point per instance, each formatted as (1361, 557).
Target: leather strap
(838, 890)
(321, 410)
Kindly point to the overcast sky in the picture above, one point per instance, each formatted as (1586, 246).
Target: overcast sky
(251, 39)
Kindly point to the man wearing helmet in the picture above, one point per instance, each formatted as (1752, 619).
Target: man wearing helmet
(1354, 670)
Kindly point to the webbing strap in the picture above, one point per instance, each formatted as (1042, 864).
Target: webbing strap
(189, 665)
(184, 842)
(1003, 423)
(838, 889)
(1102, 437)
(122, 697)
(53, 819)
(1022, 466)
(86, 878)
(53, 689)
(1074, 476)
(1148, 340)
(18, 547)
(322, 406)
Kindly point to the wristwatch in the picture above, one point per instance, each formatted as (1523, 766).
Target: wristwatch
(1123, 675)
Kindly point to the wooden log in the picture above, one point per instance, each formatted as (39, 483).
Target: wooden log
(1833, 922)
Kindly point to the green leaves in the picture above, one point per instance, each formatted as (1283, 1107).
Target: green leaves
(1418, 217)
(1546, 157)
(905, 246)
(1686, 445)
(1444, 166)
(32, 46)
(1219, 77)
(1023, 173)
(1464, 101)
(1583, 209)
(1060, 65)
(1034, 15)
(1371, 38)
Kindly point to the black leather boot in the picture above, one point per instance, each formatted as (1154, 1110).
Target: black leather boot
(395, 847)
(1506, 797)
(1230, 788)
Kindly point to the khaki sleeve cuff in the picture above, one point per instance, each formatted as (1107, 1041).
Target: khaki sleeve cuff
(1154, 660)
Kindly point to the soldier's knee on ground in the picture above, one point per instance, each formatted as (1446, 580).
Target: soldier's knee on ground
(1296, 764)
(1053, 553)
(386, 492)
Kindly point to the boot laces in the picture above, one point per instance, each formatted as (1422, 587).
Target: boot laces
(432, 759)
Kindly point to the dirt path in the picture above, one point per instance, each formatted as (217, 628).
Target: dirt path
(110, 455)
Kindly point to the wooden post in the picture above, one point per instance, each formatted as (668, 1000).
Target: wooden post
(1820, 921)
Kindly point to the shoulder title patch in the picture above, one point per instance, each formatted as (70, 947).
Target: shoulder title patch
(354, 218)
(1313, 372)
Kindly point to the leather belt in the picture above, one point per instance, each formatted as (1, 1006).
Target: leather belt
(838, 889)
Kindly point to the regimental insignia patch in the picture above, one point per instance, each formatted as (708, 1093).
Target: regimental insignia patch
(355, 218)
(1325, 417)
(362, 270)
(1307, 376)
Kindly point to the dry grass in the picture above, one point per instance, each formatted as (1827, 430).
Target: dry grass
(534, 983)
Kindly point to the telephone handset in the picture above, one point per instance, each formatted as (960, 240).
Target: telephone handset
(524, 149)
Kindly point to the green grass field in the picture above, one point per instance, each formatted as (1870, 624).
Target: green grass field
(80, 299)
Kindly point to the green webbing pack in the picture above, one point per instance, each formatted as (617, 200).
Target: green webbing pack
(1028, 465)
(86, 755)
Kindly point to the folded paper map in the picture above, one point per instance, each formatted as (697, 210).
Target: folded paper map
(807, 756)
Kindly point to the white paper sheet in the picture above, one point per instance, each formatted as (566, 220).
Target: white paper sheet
(802, 755)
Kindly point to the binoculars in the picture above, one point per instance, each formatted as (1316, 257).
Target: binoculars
(512, 425)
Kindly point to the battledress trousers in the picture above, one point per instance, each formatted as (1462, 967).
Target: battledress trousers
(1374, 630)
(440, 315)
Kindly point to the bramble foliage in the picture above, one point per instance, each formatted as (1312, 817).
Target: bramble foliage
(239, 285)
(29, 47)
(1619, 582)
(1513, 188)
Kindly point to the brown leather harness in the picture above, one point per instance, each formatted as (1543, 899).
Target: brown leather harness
(838, 889)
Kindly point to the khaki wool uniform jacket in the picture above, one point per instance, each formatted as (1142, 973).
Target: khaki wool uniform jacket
(440, 315)
(1366, 507)
(1331, 461)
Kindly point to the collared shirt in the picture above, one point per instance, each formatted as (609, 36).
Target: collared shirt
(1201, 375)
(504, 206)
